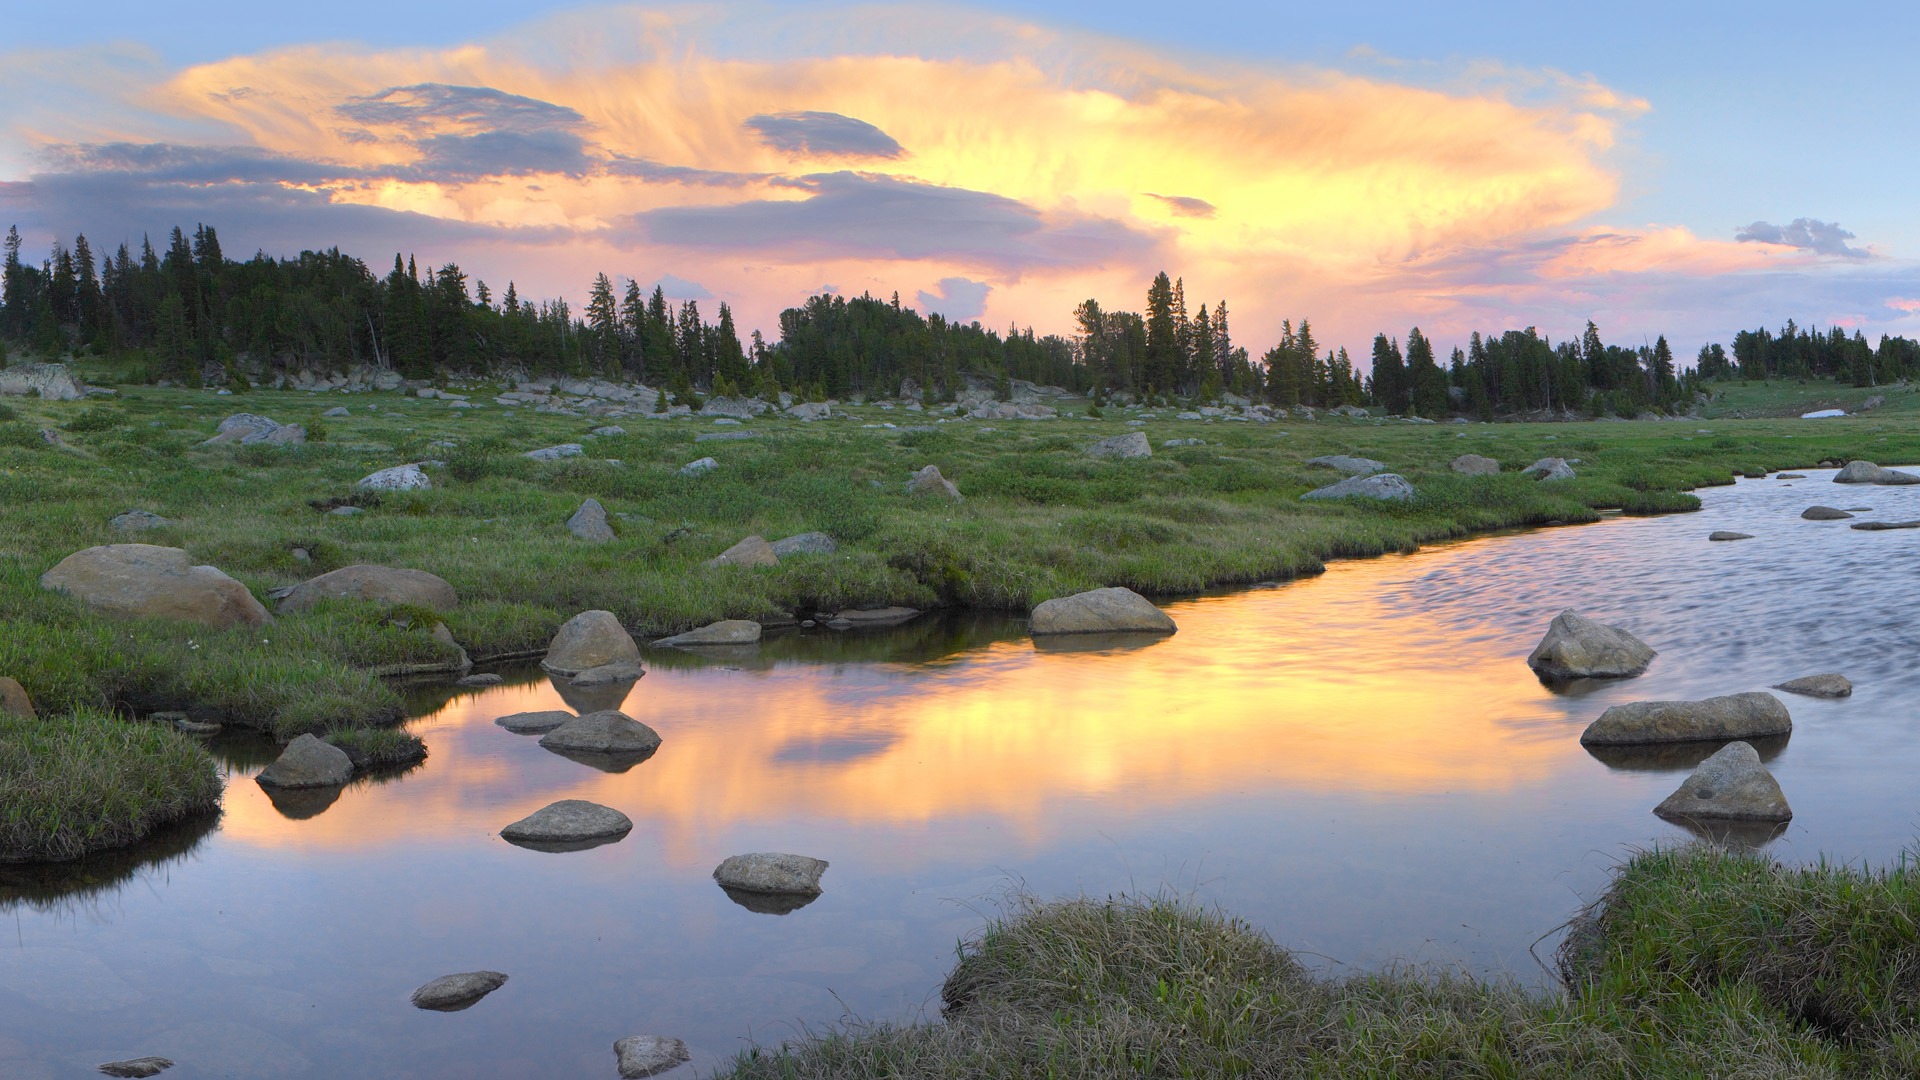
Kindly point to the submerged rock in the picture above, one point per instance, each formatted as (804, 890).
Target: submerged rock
(1385, 486)
(147, 582)
(568, 825)
(1352, 466)
(1826, 686)
(646, 1055)
(1133, 444)
(140, 1066)
(534, 723)
(589, 640)
(1883, 526)
(1474, 465)
(1576, 647)
(308, 762)
(379, 584)
(872, 617)
(589, 523)
(1731, 784)
(1824, 513)
(1735, 716)
(752, 551)
(1100, 611)
(771, 872)
(1723, 535)
(451, 993)
(724, 632)
(484, 679)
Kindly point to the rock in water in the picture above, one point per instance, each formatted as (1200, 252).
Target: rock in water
(606, 674)
(1385, 486)
(725, 632)
(928, 481)
(1824, 513)
(1133, 444)
(379, 584)
(589, 640)
(1576, 647)
(534, 723)
(568, 825)
(1732, 784)
(1352, 466)
(771, 872)
(1549, 468)
(140, 1066)
(1474, 465)
(1883, 526)
(1100, 611)
(872, 617)
(14, 699)
(1826, 686)
(148, 582)
(646, 1055)
(398, 478)
(308, 762)
(451, 993)
(1866, 472)
(752, 551)
(1723, 535)
(810, 543)
(136, 520)
(589, 523)
(1735, 716)
(609, 731)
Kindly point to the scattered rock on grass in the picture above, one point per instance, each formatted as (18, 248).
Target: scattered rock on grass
(725, 632)
(1826, 686)
(308, 762)
(1133, 444)
(379, 584)
(568, 825)
(1352, 466)
(928, 481)
(809, 543)
(811, 410)
(1549, 468)
(647, 1055)
(144, 581)
(337, 411)
(14, 699)
(1576, 647)
(589, 523)
(247, 429)
(1824, 513)
(589, 640)
(1100, 611)
(1474, 465)
(1735, 716)
(555, 453)
(1720, 534)
(771, 872)
(752, 551)
(534, 723)
(137, 520)
(1389, 487)
(451, 993)
(398, 478)
(140, 1066)
(1731, 784)
(695, 468)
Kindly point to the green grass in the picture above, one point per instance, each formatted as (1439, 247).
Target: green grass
(82, 782)
(380, 748)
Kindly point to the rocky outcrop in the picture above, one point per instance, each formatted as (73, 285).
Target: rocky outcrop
(14, 699)
(589, 523)
(752, 551)
(1390, 487)
(1866, 472)
(1474, 465)
(928, 481)
(1549, 468)
(1133, 444)
(137, 521)
(248, 428)
(1824, 513)
(1735, 716)
(589, 640)
(1100, 611)
(398, 478)
(609, 731)
(308, 762)
(725, 632)
(568, 825)
(378, 584)
(1731, 785)
(147, 582)
(1352, 466)
(810, 543)
(1723, 535)
(52, 382)
(1824, 686)
(534, 723)
(639, 1056)
(451, 993)
(771, 872)
(1576, 647)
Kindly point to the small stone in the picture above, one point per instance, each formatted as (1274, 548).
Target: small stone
(752, 551)
(609, 431)
(609, 731)
(1577, 647)
(398, 478)
(140, 1066)
(589, 640)
(1883, 526)
(346, 511)
(1550, 468)
(451, 993)
(337, 410)
(771, 872)
(1791, 476)
(1732, 784)
(606, 674)
(1824, 513)
(14, 699)
(308, 762)
(136, 520)
(725, 632)
(886, 616)
(534, 723)
(374, 584)
(1735, 716)
(647, 1055)
(839, 624)
(1826, 686)
(1719, 534)
(1100, 611)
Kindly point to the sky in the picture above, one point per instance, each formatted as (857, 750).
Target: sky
(1686, 169)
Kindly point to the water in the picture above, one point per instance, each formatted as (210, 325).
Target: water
(1360, 763)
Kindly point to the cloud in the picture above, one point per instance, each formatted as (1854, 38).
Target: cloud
(960, 299)
(645, 169)
(500, 153)
(167, 162)
(1187, 205)
(1825, 237)
(680, 288)
(433, 105)
(823, 134)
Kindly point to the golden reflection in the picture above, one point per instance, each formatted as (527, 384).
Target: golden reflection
(1315, 687)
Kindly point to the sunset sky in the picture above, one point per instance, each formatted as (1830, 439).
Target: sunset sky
(1684, 169)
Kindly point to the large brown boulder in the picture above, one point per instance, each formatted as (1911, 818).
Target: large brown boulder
(141, 581)
(1576, 647)
(1100, 611)
(1731, 785)
(752, 551)
(14, 699)
(307, 762)
(381, 584)
(590, 639)
(1736, 716)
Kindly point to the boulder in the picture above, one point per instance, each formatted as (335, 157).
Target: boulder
(337, 411)
(14, 698)
(588, 640)
(1133, 444)
(250, 428)
(555, 453)
(451, 993)
(1474, 465)
(1866, 472)
(869, 617)
(308, 762)
(811, 410)
(646, 1055)
(1352, 466)
(144, 581)
(607, 674)
(1721, 534)
(51, 382)
(1549, 468)
(398, 478)
(1791, 476)
(379, 584)
(534, 723)
(567, 825)
(810, 543)
(1576, 647)
(1390, 487)
(752, 551)
(695, 468)
(1824, 513)
(771, 872)
(608, 431)
(725, 632)
(1732, 784)
(1100, 611)
(928, 481)
(140, 1066)
(137, 520)
(589, 523)
(1826, 686)
(609, 731)
(1735, 716)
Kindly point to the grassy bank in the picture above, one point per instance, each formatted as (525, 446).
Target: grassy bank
(1699, 963)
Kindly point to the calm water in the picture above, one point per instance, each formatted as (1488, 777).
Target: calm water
(1360, 763)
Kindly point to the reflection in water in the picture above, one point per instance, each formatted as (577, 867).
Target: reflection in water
(66, 885)
(768, 903)
(300, 804)
(596, 697)
(1679, 757)
(1741, 834)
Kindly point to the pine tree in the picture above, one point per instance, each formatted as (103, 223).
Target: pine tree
(1161, 365)
(1428, 384)
(603, 323)
(1390, 387)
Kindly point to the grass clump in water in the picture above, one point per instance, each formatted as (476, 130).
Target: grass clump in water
(88, 781)
(379, 748)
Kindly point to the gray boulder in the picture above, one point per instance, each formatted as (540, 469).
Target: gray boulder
(568, 825)
(1735, 716)
(249, 428)
(1474, 465)
(534, 723)
(1100, 611)
(810, 543)
(337, 411)
(771, 872)
(1731, 785)
(647, 1055)
(140, 1066)
(609, 431)
(1133, 444)
(589, 523)
(1824, 513)
(147, 582)
(1866, 472)
(137, 520)
(609, 731)
(811, 410)
(1826, 686)
(398, 478)
(752, 551)
(378, 584)
(308, 762)
(1549, 468)
(1390, 487)
(1576, 647)
(589, 640)
(1352, 466)
(928, 481)
(555, 453)
(1721, 534)
(725, 632)
(451, 993)
(50, 382)
(695, 468)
